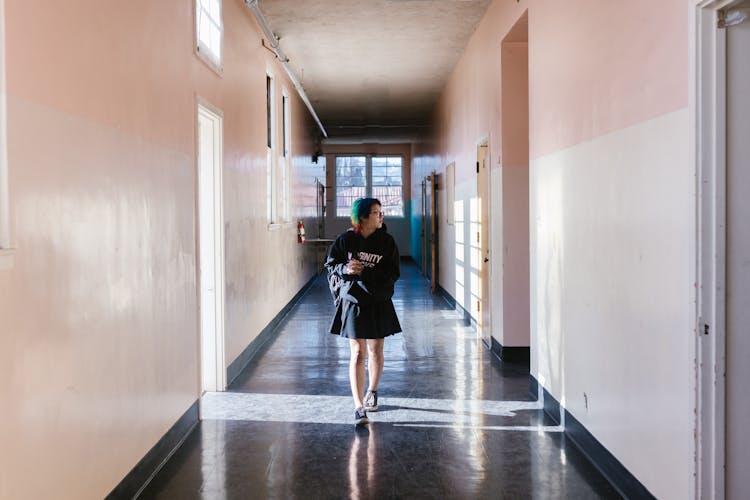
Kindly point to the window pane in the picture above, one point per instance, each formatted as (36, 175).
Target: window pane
(351, 182)
(204, 30)
(386, 175)
(387, 181)
(216, 42)
(214, 7)
(208, 15)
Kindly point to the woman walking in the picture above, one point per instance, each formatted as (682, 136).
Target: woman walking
(363, 266)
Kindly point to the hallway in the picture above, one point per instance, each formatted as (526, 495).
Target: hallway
(454, 421)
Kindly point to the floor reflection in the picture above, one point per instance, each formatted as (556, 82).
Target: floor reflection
(363, 460)
(454, 421)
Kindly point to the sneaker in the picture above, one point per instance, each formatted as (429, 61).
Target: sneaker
(360, 417)
(371, 401)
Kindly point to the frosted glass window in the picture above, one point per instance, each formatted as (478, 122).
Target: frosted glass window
(209, 30)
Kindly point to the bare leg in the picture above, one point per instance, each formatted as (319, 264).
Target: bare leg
(375, 362)
(357, 370)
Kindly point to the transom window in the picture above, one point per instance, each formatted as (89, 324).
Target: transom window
(208, 28)
(378, 177)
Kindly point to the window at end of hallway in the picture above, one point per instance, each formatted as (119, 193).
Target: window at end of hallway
(209, 31)
(378, 177)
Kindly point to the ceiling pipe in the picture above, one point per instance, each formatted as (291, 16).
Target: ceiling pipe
(284, 60)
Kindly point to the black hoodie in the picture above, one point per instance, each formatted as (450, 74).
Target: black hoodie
(363, 302)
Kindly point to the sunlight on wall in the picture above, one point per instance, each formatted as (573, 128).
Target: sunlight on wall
(475, 256)
(548, 266)
(458, 214)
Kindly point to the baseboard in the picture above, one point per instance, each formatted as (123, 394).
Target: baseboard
(246, 356)
(139, 477)
(621, 479)
(468, 320)
(521, 355)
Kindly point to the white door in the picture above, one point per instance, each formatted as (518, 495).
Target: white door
(211, 250)
(480, 249)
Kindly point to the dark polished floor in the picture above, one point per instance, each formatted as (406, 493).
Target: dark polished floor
(454, 421)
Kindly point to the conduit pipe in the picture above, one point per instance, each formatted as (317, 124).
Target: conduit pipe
(274, 41)
(4, 204)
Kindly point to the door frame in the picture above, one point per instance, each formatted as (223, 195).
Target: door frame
(213, 370)
(707, 95)
(433, 232)
(423, 236)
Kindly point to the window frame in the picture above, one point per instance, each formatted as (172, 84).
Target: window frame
(368, 176)
(272, 184)
(286, 123)
(6, 251)
(284, 163)
(202, 49)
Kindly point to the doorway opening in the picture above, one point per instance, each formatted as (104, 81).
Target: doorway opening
(513, 329)
(211, 248)
(429, 229)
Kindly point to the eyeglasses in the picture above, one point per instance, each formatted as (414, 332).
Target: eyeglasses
(379, 213)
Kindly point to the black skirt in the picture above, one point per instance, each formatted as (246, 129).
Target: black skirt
(368, 321)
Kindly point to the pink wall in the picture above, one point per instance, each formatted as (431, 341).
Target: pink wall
(601, 66)
(99, 340)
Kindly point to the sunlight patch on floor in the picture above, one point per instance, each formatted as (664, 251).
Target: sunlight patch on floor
(300, 408)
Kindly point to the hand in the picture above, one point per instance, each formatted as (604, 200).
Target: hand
(354, 267)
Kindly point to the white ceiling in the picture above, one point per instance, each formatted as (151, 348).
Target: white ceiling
(372, 63)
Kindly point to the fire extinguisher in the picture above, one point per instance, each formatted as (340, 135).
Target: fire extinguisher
(300, 232)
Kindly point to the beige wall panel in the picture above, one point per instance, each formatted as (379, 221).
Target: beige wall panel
(102, 337)
(99, 343)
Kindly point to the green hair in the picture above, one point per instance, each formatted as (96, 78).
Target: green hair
(361, 210)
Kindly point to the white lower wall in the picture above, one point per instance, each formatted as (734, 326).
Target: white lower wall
(612, 267)
(515, 257)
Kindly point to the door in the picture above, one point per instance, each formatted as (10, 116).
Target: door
(433, 232)
(737, 257)
(211, 249)
(427, 225)
(480, 250)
